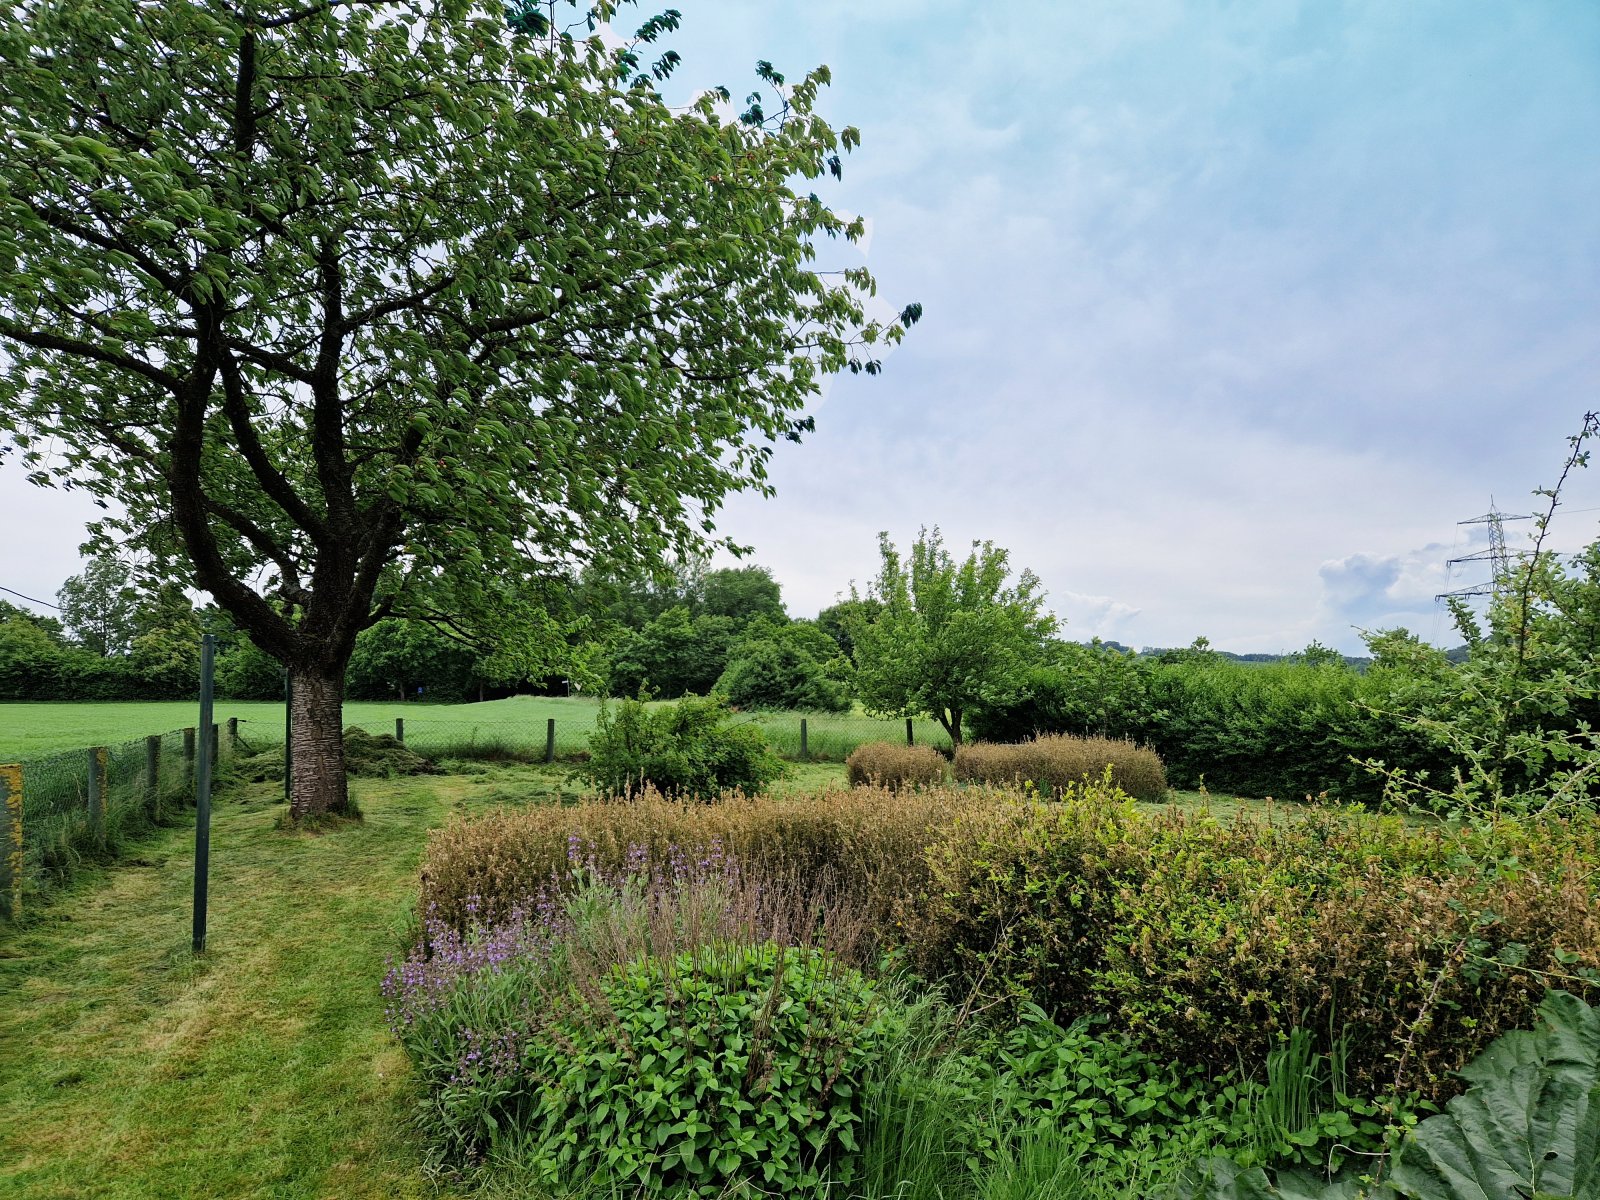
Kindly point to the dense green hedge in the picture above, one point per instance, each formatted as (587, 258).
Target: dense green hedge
(1289, 730)
(1207, 941)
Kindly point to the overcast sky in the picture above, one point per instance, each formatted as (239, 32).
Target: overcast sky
(1233, 310)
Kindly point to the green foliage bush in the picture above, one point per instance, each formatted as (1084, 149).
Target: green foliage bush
(893, 766)
(1208, 942)
(1289, 729)
(682, 1076)
(1527, 1126)
(1052, 763)
(689, 749)
(790, 667)
(1099, 1090)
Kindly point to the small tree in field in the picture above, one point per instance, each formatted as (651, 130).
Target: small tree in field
(370, 308)
(948, 636)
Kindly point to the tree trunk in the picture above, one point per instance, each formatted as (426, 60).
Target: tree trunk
(951, 720)
(316, 720)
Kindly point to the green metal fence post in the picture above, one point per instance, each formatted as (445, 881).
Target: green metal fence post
(216, 745)
(400, 730)
(97, 795)
(550, 740)
(805, 749)
(152, 775)
(11, 861)
(202, 796)
(910, 738)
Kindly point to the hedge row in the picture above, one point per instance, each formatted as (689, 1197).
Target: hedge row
(1206, 941)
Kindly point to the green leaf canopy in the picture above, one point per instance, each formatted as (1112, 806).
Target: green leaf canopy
(340, 301)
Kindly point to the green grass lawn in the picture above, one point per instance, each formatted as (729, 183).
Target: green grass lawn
(263, 1069)
(31, 729)
(28, 730)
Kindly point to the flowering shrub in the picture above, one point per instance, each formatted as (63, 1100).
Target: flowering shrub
(669, 1024)
(868, 843)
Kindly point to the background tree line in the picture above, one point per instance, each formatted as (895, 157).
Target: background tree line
(1511, 713)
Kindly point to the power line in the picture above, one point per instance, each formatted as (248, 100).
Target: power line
(30, 599)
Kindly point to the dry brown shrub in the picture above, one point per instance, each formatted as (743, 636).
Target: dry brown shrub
(1052, 762)
(868, 842)
(887, 765)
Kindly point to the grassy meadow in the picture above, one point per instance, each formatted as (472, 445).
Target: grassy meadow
(31, 729)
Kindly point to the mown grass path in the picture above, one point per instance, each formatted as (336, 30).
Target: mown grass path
(263, 1069)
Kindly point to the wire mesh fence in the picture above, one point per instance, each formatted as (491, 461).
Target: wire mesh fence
(820, 737)
(82, 806)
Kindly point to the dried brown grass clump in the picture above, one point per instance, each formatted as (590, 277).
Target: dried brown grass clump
(868, 843)
(887, 765)
(1054, 762)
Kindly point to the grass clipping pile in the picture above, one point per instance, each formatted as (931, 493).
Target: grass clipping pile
(366, 756)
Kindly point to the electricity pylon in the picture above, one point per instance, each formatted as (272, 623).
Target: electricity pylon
(1497, 556)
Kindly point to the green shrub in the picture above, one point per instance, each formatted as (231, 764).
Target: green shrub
(682, 1077)
(688, 749)
(1053, 762)
(887, 765)
(667, 1030)
(1100, 1091)
(1208, 942)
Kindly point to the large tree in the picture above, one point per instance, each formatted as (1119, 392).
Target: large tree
(358, 308)
(948, 636)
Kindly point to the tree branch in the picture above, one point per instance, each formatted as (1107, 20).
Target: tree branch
(42, 340)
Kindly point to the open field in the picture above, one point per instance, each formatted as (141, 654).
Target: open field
(28, 730)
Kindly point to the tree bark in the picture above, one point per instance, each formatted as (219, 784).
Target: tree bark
(318, 786)
(950, 718)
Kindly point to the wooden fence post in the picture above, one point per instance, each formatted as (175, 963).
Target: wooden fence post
(12, 865)
(400, 730)
(805, 749)
(550, 740)
(152, 774)
(910, 737)
(188, 761)
(97, 795)
(233, 735)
